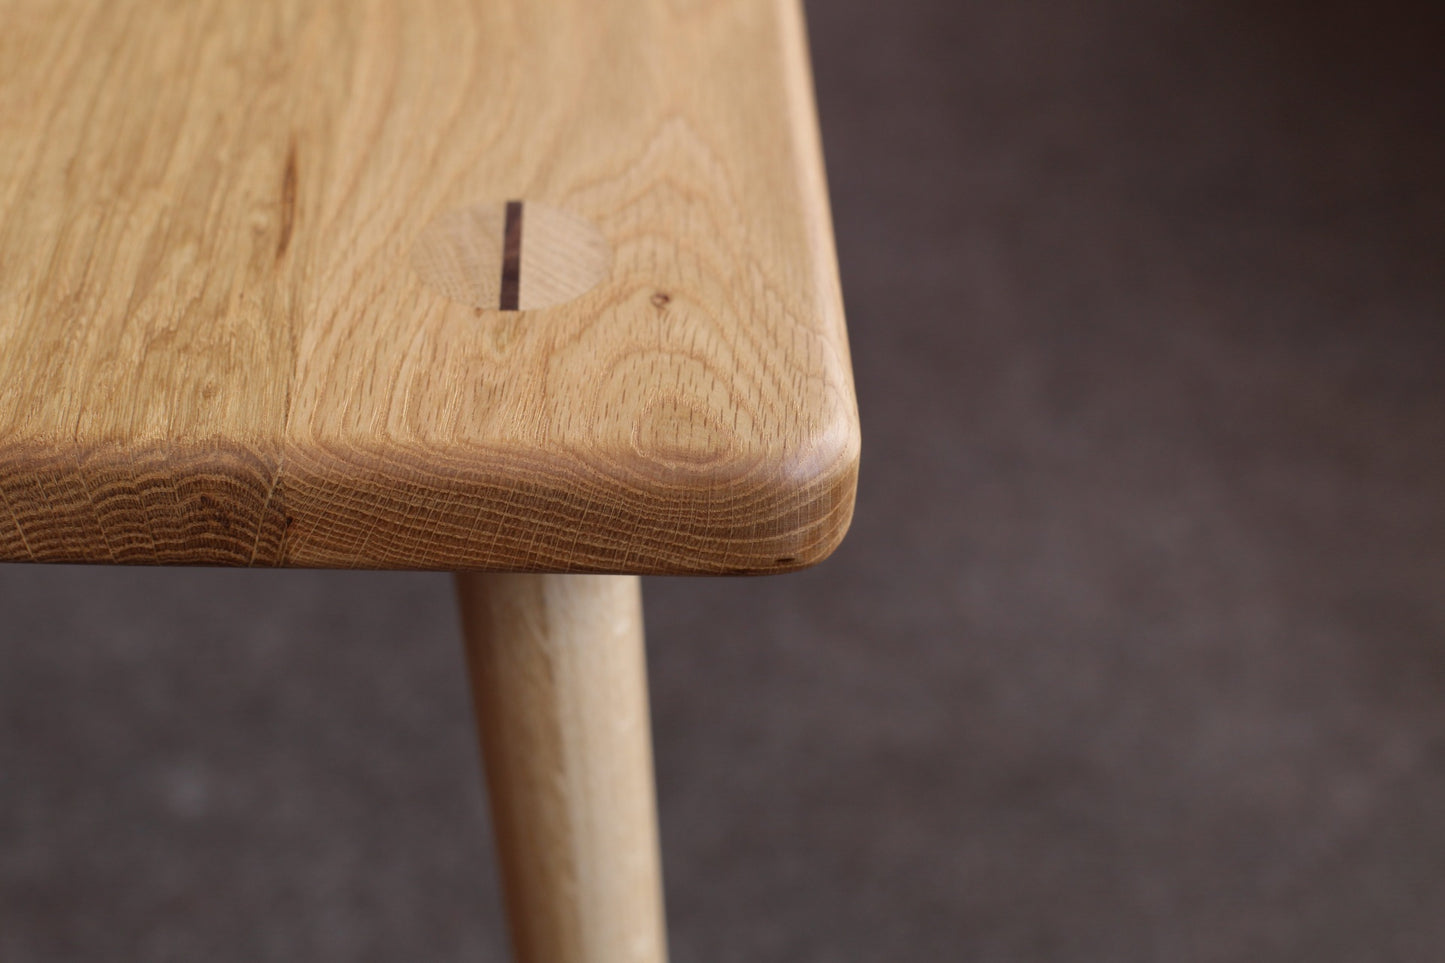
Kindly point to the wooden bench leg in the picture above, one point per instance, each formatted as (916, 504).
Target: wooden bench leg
(560, 686)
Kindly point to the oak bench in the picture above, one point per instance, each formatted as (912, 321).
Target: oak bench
(543, 293)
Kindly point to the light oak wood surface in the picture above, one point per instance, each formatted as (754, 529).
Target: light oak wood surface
(242, 320)
(560, 687)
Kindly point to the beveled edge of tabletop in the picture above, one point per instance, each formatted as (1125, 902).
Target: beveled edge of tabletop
(220, 504)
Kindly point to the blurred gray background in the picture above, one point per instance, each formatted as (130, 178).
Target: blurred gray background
(1136, 651)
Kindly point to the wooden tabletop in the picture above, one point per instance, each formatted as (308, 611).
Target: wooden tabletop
(415, 284)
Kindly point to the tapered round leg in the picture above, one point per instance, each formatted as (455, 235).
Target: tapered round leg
(560, 685)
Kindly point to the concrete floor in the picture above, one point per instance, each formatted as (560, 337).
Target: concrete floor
(1136, 651)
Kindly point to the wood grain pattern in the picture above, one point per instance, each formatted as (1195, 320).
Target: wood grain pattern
(214, 347)
(561, 696)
